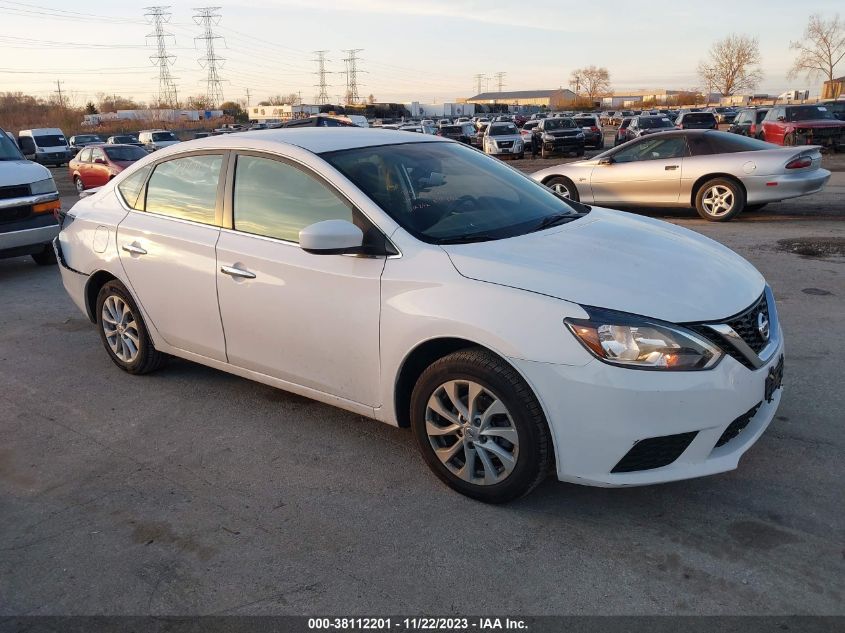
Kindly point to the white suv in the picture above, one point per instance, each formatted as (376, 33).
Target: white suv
(28, 202)
(157, 139)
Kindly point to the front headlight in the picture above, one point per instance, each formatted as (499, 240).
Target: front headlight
(48, 185)
(579, 135)
(548, 137)
(637, 342)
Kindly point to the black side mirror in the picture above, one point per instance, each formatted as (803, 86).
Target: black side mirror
(607, 160)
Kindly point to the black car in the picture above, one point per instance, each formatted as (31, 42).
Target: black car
(124, 139)
(591, 126)
(748, 122)
(558, 135)
(464, 132)
(642, 125)
(697, 121)
(81, 140)
(318, 121)
(836, 108)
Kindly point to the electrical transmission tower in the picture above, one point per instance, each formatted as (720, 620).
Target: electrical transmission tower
(352, 74)
(208, 18)
(478, 81)
(158, 17)
(323, 97)
(500, 79)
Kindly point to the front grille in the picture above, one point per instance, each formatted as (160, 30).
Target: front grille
(505, 144)
(745, 325)
(737, 426)
(14, 214)
(654, 452)
(14, 191)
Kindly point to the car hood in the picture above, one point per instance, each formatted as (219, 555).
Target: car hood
(817, 123)
(619, 261)
(21, 172)
(571, 131)
(506, 137)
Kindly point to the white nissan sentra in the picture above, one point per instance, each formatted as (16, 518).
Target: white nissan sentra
(421, 283)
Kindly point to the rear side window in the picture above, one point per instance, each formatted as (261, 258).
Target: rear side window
(131, 187)
(186, 188)
(85, 155)
(729, 143)
(278, 200)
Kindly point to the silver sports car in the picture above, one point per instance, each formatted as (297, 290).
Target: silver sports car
(719, 174)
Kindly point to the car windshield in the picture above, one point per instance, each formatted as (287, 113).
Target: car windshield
(450, 193)
(502, 129)
(655, 122)
(8, 149)
(699, 117)
(125, 139)
(50, 140)
(87, 138)
(808, 113)
(128, 153)
(585, 122)
(164, 136)
(558, 124)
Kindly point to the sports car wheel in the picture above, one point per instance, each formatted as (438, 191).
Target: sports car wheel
(719, 200)
(564, 187)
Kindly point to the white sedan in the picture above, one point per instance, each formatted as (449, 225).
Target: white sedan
(412, 279)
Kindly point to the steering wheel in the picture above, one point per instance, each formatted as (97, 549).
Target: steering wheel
(465, 203)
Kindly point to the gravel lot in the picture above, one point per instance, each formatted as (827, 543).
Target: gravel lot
(191, 491)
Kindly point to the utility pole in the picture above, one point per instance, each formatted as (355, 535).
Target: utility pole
(500, 79)
(322, 97)
(208, 18)
(352, 71)
(478, 79)
(158, 17)
(58, 91)
(247, 97)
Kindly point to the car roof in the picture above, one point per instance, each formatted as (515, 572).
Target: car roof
(313, 139)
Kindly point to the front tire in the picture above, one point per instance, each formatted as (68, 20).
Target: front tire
(564, 187)
(123, 331)
(719, 200)
(480, 428)
(47, 257)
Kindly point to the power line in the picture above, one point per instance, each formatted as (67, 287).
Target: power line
(500, 79)
(478, 79)
(158, 16)
(208, 18)
(323, 96)
(352, 71)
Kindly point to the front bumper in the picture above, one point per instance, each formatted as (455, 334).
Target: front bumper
(760, 189)
(495, 150)
(564, 144)
(597, 413)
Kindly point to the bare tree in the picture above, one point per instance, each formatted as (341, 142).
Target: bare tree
(591, 82)
(821, 48)
(732, 65)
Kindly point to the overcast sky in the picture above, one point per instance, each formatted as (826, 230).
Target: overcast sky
(427, 50)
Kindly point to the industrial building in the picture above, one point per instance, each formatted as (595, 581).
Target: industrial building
(551, 99)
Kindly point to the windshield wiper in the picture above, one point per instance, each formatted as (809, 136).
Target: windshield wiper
(466, 238)
(554, 220)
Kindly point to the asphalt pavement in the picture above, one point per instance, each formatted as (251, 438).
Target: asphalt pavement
(191, 491)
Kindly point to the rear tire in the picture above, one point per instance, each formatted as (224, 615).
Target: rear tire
(719, 200)
(543, 153)
(77, 182)
(123, 331)
(480, 428)
(579, 151)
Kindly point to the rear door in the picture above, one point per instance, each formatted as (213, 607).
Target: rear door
(646, 172)
(100, 171)
(166, 245)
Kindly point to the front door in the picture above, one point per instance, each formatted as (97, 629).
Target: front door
(312, 320)
(646, 172)
(167, 250)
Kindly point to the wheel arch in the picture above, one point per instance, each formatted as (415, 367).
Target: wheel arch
(696, 186)
(92, 289)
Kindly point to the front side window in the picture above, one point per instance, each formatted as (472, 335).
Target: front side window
(277, 199)
(654, 147)
(8, 149)
(186, 188)
(447, 192)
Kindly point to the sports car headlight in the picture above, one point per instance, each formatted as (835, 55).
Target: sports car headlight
(48, 185)
(637, 342)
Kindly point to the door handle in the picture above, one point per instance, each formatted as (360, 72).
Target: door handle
(133, 249)
(670, 167)
(236, 272)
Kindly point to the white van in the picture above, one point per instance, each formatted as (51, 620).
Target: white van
(28, 202)
(156, 139)
(45, 145)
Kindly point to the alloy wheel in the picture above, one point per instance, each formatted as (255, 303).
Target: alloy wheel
(472, 433)
(718, 200)
(120, 328)
(562, 189)
(80, 187)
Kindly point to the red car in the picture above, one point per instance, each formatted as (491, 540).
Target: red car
(95, 165)
(803, 125)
